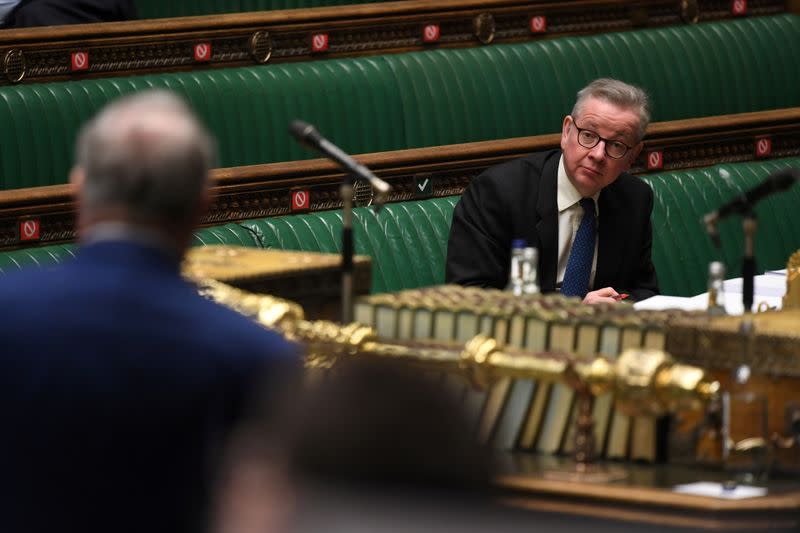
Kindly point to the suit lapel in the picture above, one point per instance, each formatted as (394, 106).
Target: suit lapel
(547, 225)
(610, 244)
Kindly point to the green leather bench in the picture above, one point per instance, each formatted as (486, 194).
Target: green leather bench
(429, 98)
(408, 240)
(40, 257)
(681, 249)
(149, 9)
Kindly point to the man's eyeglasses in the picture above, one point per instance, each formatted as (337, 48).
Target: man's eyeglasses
(589, 139)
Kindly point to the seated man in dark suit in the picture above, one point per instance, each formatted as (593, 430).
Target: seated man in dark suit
(118, 382)
(588, 218)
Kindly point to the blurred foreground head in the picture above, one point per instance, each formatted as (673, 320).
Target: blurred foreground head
(144, 161)
(386, 426)
(370, 447)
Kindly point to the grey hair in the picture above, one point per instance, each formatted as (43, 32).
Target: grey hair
(621, 95)
(148, 155)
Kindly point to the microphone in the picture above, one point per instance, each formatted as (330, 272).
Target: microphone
(778, 181)
(308, 136)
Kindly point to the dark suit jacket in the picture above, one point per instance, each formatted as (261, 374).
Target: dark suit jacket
(118, 386)
(517, 199)
(55, 12)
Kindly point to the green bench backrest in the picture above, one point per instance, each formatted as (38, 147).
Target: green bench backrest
(453, 96)
(425, 98)
(44, 256)
(681, 248)
(148, 9)
(408, 240)
(232, 234)
(248, 110)
(40, 257)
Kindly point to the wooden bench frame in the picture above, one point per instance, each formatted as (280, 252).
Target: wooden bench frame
(47, 214)
(214, 41)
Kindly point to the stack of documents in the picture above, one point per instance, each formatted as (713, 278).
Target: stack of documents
(769, 289)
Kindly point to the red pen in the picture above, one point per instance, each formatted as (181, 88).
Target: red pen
(622, 296)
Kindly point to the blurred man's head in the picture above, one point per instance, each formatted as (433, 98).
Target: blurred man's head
(144, 161)
(380, 424)
(602, 137)
(371, 447)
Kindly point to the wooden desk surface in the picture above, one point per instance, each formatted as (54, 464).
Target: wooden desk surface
(646, 496)
(310, 279)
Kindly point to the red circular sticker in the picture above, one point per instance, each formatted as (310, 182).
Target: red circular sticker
(538, 24)
(80, 60)
(655, 160)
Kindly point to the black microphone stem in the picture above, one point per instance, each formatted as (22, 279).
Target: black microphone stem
(346, 194)
(749, 226)
(308, 136)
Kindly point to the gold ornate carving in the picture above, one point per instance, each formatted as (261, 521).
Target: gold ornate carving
(650, 379)
(362, 193)
(714, 342)
(791, 299)
(261, 46)
(690, 12)
(14, 65)
(484, 28)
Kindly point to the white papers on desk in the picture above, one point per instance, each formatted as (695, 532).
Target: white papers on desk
(661, 302)
(718, 490)
(769, 288)
(764, 285)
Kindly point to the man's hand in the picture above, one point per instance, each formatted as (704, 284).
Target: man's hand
(605, 295)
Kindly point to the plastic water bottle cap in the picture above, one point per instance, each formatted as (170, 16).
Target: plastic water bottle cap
(519, 243)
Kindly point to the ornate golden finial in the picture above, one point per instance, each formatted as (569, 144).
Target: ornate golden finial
(275, 313)
(792, 297)
(647, 381)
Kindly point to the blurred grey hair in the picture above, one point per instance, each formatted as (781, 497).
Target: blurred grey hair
(621, 95)
(148, 155)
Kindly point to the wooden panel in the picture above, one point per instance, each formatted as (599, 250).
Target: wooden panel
(118, 48)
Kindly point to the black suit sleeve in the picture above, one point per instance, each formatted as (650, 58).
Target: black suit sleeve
(646, 282)
(478, 248)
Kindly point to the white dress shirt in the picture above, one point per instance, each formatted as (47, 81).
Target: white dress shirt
(570, 214)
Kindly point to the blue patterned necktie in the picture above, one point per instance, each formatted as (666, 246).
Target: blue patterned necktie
(579, 264)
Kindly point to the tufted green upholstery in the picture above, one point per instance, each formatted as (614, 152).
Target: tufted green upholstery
(429, 98)
(453, 96)
(248, 109)
(47, 255)
(408, 240)
(148, 9)
(232, 234)
(35, 257)
(681, 249)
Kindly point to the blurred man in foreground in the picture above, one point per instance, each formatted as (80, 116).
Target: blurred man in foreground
(118, 382)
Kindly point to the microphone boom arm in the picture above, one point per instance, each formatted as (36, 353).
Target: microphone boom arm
(308, 136)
